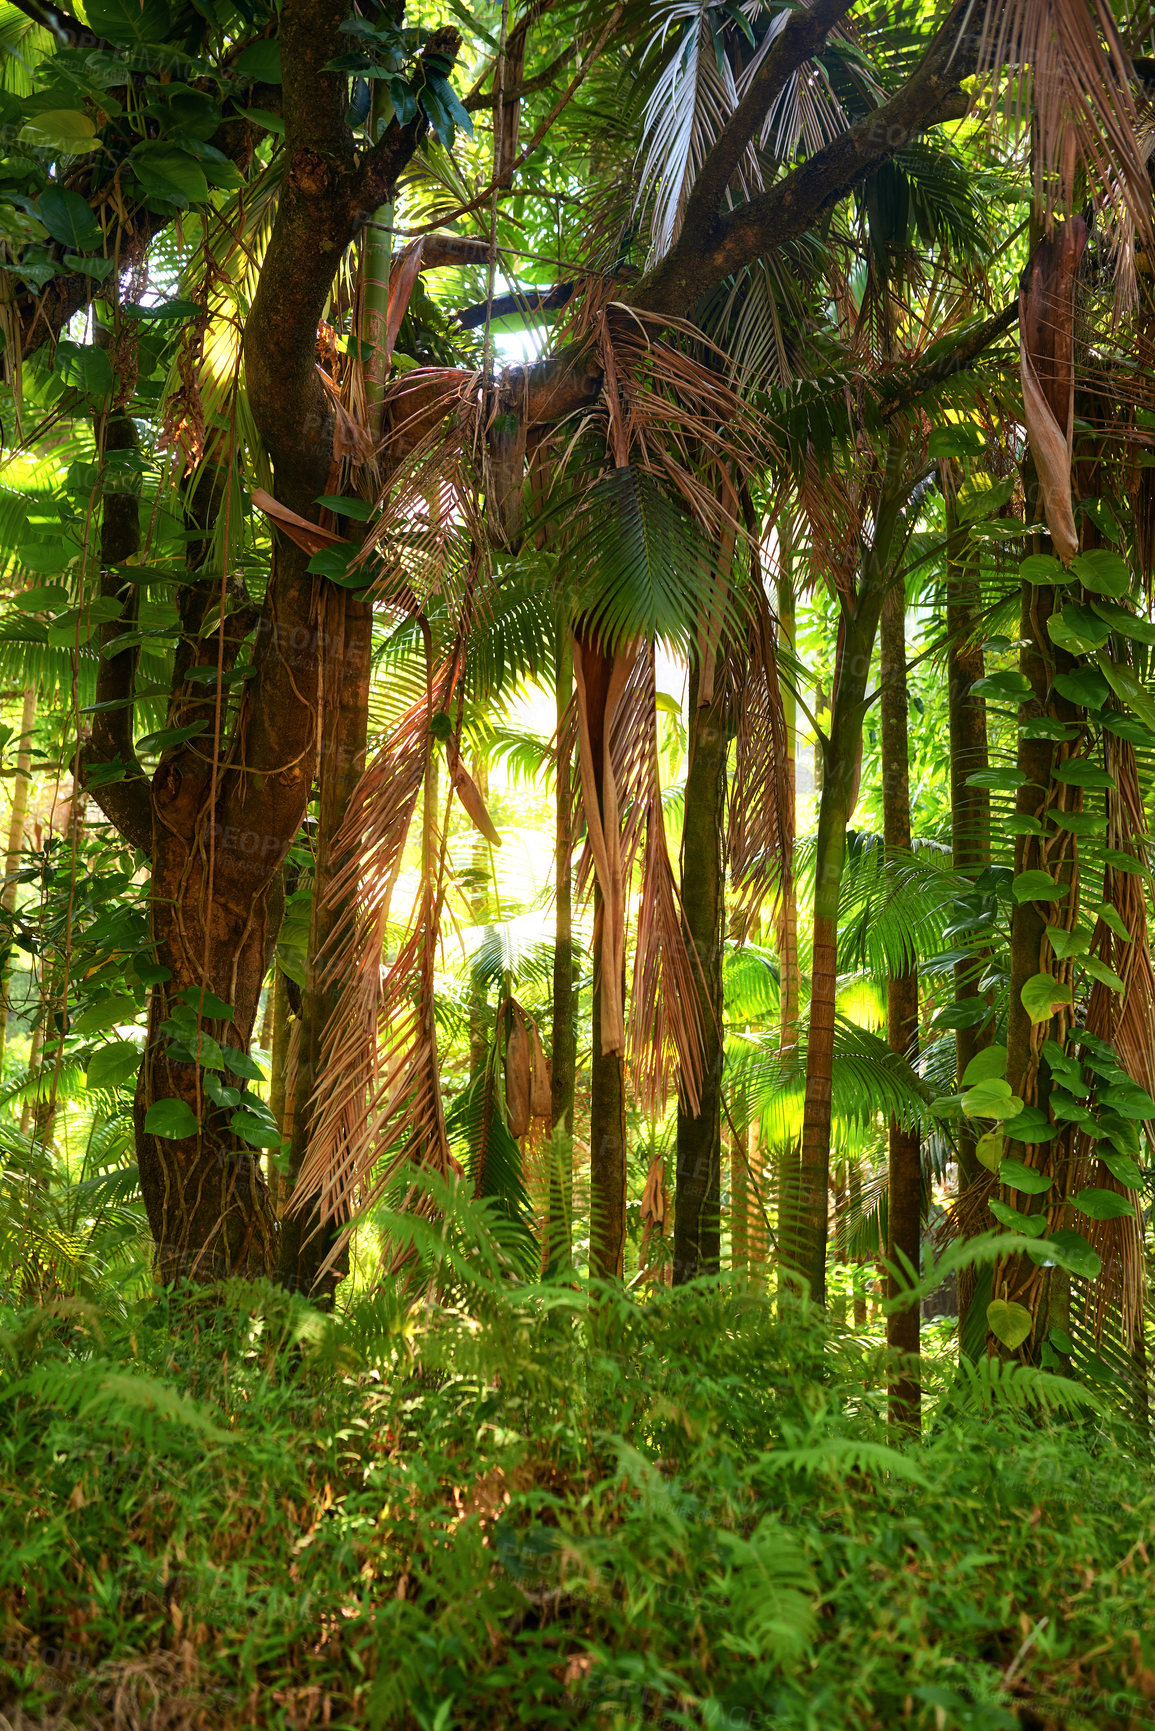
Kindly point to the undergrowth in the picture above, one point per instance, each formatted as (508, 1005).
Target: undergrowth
(547, 1506)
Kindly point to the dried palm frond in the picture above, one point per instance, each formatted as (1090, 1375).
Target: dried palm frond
(760, 829)
(1072, 77)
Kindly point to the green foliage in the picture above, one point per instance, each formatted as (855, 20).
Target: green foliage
(530, 1504)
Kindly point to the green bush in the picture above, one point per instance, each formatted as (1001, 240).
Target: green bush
(548, 1506)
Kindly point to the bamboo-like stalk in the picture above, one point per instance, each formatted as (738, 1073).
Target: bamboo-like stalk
(15, 845)
(564, 1057)
(904, 1184)
(786, 922)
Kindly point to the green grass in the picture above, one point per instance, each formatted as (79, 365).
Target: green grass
(548, 1507)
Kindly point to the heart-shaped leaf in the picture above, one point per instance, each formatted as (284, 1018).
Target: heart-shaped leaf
(1009, 1323)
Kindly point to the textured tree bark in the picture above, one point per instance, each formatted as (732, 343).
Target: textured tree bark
(344, 698)
(904, 1186)
(607, 1139)
(564, 1044)
(697, 1194)
(607, 1069)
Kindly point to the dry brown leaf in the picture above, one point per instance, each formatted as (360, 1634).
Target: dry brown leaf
(518, 1071)
(540, 1101)
(1047, 369)
(309, 536)
(469, 794)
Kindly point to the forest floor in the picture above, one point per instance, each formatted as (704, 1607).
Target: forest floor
(542, 1507)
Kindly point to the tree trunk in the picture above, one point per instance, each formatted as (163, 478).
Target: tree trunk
(841, 765)
(564, 1044)
(15, 847)
(607, 1138)
(786, 921)
(904, 1198)
(970, 830)
(697, 1195)
(347, 624)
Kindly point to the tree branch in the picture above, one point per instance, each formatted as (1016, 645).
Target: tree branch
(703, 257)
(797, 42)
(125, 803)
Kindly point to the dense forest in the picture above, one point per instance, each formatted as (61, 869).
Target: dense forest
(577, 1016)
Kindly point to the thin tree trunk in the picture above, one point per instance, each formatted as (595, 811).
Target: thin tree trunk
(15, 847)
(740, 1198)
(842, 758)
(607, 1137)
(854, 1195)
(904, 1187)
(697, 1196)
(970, 828)
(279, 1081)
(786, 921)
(564, 1060)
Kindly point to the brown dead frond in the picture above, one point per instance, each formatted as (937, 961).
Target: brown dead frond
(1063, 67)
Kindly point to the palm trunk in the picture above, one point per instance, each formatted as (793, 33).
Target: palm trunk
(564, 1061)
(854, 1196)
(839, 790)
(15, 846)
(789, 976)
(970, 831)
(904, 1199)
(607, 1137)
(697, 1196)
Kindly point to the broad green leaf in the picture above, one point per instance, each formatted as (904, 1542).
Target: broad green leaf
(1038, 886)
(1032, 1125)
(1061, 1341)
(69, 219)
(113, 1065)
(206, 1003)
(1081, 772)
(956, 440)
(260, 61)
(1066, 943)
(1102, 572)
(989, 1150)
(242, 1065)
(991, 1061)
(1129, 689)
(172, 1119)
(1021, 823)
(219, 1093)
(1079, 823)
(1100, 971)
(1130, 1100)
(1077, 629)
(1042, 996)
(1099, 1204)
(1074, 1253)
(108, 1013)
(1033, 1225)
(998, 780)
(1112, 919)
(1043, 568)
(1009, 1323)
(257, 1132)
(991, 1099)
(1005, 687)
(1017, 1176)
(1084, 686)
(68, 130)
(169, 173)
(1121, 1167)
(981, 496)
(1124, 862)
